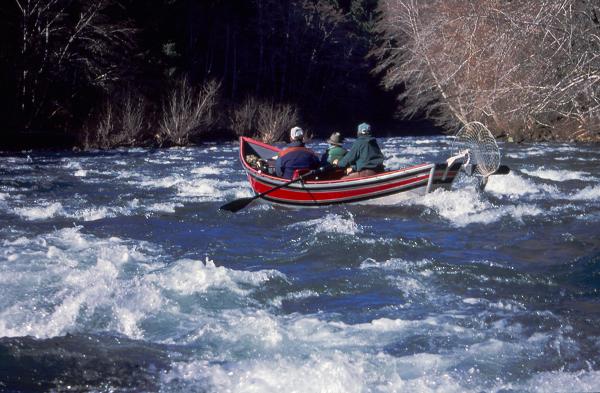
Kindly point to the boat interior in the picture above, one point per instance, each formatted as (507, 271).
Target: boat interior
(263, 159)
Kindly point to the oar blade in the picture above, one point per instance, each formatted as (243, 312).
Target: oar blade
(241, 203)
(237, 205)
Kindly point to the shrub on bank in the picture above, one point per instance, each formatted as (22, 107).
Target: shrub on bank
(266, 120)
(187, 112)
(274, 120)
(122, 122)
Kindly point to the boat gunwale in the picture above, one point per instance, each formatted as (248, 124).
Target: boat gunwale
(359, 181)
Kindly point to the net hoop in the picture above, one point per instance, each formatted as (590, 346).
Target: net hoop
(480, 144)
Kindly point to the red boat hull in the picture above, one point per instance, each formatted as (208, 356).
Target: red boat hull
(389, 186)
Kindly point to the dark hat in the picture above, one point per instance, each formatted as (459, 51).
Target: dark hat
(335, 139)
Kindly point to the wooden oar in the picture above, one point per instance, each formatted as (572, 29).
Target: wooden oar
(239, 204)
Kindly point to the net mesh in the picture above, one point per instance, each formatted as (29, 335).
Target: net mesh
(481, 145)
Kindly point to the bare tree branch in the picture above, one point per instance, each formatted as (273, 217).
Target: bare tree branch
(516, 66)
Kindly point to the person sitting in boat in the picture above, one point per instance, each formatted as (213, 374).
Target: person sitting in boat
(335, 150)
(364, 158)
(295, 157)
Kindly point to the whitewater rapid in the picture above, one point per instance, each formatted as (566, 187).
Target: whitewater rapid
(123, 257)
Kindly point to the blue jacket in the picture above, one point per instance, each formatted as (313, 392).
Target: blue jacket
(293, 157)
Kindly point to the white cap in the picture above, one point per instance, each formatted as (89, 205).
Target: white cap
(296, 134)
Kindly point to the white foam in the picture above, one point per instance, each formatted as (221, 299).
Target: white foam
(45, 211)
(156, 161)
(562, 381)
(335, 373)
(463, 207)
(330, 370)
(333, 223)
(66, 281)
(590, 193)
(70, 164)
(81, 173)
(567, 148)
(304, 294)
(208, 170)
(558, 175)
(163, 207)
(79, 275)
(513, 185)
(163, 182)
(538, 150)
(207, 189)
(411, 286)
(190, 276)
(197, 187)
(125, 174)
(419, 150)
(135, 149)
(396, 162)
(92, 214)
(393, 264)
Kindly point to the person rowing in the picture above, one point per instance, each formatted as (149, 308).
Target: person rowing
(295, 158)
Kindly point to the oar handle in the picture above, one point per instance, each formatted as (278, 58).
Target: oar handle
(297, 179)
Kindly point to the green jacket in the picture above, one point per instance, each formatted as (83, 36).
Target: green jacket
(364, 154)
(335, 153)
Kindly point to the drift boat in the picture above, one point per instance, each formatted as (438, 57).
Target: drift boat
(327, 188)
(475, 149)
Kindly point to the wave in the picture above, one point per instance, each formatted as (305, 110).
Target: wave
(590, 193)
(92, 214)
(563, 381)
(207, 170)
(514, 186)
(67, 281)
(165, 207)
(559, 175)
(188, 276)
(304, 294)
(332, 223)
(41, 212)
(316, 355)
(197, 186)
(464, 207)
(48, 211)
(396, 162)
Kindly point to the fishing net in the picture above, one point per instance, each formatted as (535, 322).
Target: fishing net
(481, 147)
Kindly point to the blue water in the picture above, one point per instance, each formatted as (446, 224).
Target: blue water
(118, 273)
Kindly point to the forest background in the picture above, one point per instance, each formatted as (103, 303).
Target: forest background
(107, 73)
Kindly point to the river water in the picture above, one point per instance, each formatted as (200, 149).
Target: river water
(118, 273)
